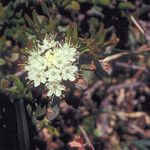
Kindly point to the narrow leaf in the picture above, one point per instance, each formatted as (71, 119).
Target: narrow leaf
(52, 25)
(30, 22)
(45, 9)
(72, 34)
(35, 17)
(17, 82)
(2, 61)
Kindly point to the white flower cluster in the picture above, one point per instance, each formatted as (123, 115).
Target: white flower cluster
(52, 63)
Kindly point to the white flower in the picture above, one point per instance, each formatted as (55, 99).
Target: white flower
(72, 52)
(34, 54)
(60, 62)
(69, 52)
(69, 72)
(48, 43)
(55, 88)
(53, 74)
(49, 56)
(50, 64)
(41, 62)
(37, 77)
(36, 63)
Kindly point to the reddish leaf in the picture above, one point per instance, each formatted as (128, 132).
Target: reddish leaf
(107, 67)
(77, 143)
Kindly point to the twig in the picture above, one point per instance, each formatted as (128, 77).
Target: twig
(137, 25)
(143, 48)
(88, 93)
(86, 137)
(134, 67)
(113, 57)
(20, 73)
(124, 85)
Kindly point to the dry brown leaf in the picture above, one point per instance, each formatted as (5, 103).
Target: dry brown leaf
(131, 115)
(45, 135)
(121, 96)
(112, 57)
(147, 120)
(77, 143)
(107, 67)
(81, 84)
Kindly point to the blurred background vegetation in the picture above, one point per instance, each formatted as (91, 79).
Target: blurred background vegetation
(107, 109)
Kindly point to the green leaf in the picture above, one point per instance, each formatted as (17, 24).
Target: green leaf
(58, 2)
(46, 124)
(3, 41)
(65, 3)
(30, 22)
(89, 77)
(4, 84)
(74, 5)
(101, 34)
(94, 24)
(102, 2)
(126, 5)
(2, 11)
(52, 25)
(15, 91)
(97, 133)
(41, 20)
(83, 1)
(40, 112)
(87, 74)
(72, 34)
(88, 124)
(45, 9)
(35, 17)
(97, 11)
(2, 61)
(18, 83)
(53, 130)
(28, 94)
(29, 110)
